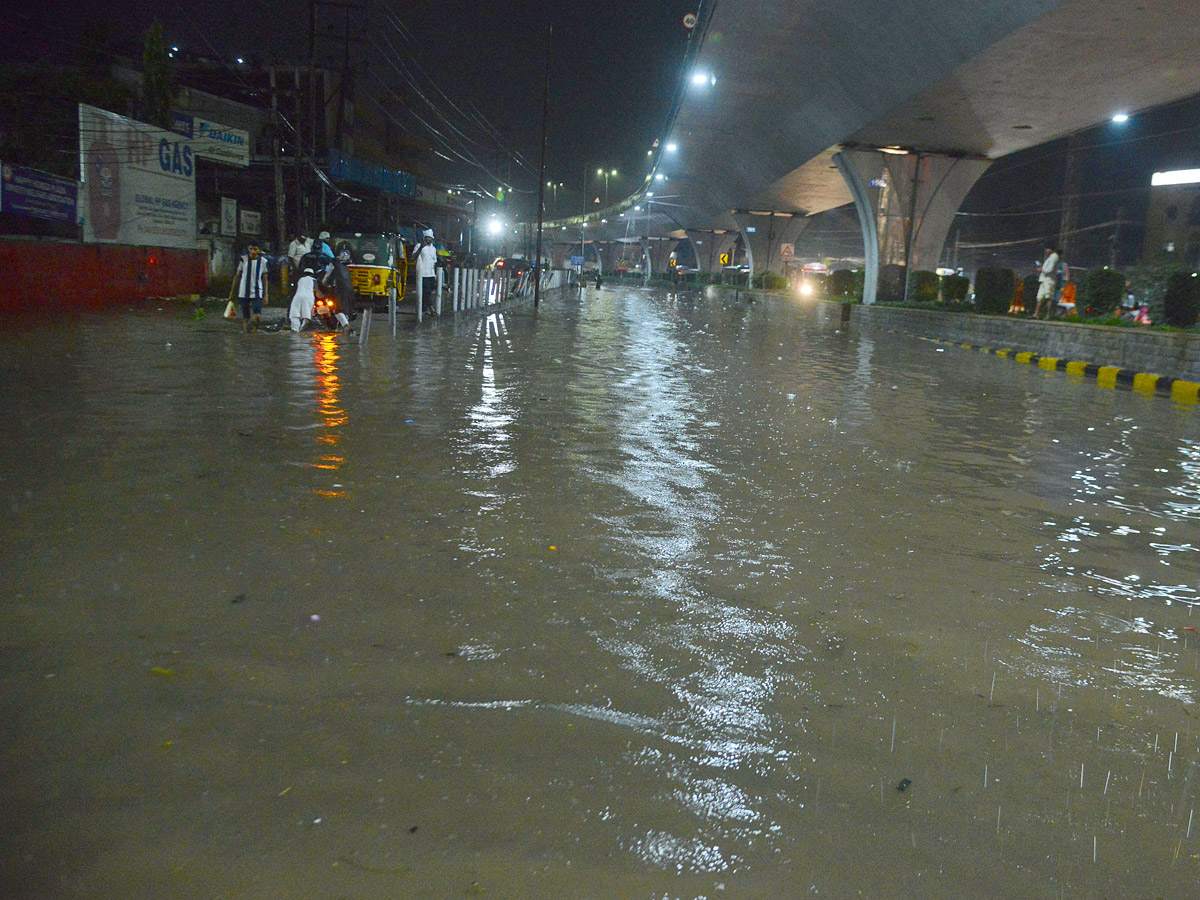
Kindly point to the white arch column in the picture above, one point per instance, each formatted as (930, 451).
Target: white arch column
(906, 203)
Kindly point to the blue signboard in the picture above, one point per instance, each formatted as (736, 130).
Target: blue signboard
(37, 194)
(879, 182)
(576, 261)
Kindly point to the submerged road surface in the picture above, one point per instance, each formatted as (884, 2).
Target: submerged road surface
(640, 596)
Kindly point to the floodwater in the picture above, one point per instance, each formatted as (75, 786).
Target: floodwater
(639, 596)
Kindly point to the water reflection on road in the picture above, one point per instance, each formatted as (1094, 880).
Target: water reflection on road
(642, 595)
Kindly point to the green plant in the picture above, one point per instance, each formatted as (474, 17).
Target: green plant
(773, 282)
(1181, 300)
(841, 283)
(891, 283)
(1100, 291)
(955, 288)
(923, 286)
(994, 290)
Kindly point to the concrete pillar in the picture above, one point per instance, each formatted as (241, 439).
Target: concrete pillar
(709, 245)
(610, 254)
(765, 234)
(659, 251)
(906, 204)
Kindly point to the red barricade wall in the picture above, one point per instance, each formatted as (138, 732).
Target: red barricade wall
(37, 274)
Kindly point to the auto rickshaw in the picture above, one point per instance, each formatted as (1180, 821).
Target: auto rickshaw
(378, 263)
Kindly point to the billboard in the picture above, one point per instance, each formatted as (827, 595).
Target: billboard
(37, 194)
(209, 140)
(137, 182)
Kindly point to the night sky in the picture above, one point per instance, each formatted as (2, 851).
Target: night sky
(614, 67)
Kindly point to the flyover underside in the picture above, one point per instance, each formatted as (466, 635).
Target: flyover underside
(790, 85)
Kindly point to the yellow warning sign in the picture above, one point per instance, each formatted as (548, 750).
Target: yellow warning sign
(724, 259)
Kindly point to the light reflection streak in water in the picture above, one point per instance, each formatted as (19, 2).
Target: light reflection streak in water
(324, 387)
(491, 419)
(700, 656)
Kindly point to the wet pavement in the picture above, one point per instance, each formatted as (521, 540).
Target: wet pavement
(639, 596)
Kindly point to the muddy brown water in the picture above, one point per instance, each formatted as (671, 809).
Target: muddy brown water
(640, 596)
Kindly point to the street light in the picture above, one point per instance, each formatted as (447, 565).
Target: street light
(606, 176)
(554, 186)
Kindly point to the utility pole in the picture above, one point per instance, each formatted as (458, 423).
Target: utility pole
(1072, 178)
(1116, 238)
(537, 263)
(280, 200)
(910, 233)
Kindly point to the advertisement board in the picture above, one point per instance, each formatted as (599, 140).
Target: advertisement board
(229, 217)
(214, 141)
(137, 182)
(251, 222)
(29, 192)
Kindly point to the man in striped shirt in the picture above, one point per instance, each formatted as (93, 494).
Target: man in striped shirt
(250, 282)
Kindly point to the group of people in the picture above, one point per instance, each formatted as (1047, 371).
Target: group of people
(314, 266)
(311, 262)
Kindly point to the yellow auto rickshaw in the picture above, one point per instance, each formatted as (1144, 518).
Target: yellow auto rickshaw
(378, 263)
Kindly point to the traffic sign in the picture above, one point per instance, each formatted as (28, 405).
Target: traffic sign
(724, 259)
(576, 261)
(787, 251)
(689, 21)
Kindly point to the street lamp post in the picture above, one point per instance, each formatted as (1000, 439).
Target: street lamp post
(606, 174)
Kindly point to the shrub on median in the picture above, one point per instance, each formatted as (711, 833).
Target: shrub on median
(955, 288)
(1181, 300)
(923, 286)
(994, 290)
(841, 284)
(1100, 291)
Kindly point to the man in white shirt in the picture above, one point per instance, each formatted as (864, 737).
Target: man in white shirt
(427, 271)
(300, 245)
(1047, 284)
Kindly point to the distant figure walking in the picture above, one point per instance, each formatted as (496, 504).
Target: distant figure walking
(1047, 283)
(599, 280)
(250, 284)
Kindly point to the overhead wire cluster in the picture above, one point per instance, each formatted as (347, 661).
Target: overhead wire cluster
(458, 135)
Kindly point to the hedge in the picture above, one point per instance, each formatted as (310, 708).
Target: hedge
(955, 288)
(994, 290)
(1100, 292)
(1181, 302)
(923, 286)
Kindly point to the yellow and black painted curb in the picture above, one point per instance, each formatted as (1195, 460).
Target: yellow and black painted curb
(1105, 376)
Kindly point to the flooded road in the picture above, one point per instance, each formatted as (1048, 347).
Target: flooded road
(639, 596)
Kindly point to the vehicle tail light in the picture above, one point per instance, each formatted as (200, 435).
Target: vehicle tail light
(375, 279)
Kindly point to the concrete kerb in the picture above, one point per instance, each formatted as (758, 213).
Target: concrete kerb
(1132, 348)
(1105, 376)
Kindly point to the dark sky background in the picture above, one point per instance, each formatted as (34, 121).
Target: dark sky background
(614, 69)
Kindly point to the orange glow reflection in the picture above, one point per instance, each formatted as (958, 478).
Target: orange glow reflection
(333, 417)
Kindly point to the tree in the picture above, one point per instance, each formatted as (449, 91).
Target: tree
(156, 76)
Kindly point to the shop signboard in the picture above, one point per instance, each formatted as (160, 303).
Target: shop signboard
(137, 182)
(39, 195)
(214, 141)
